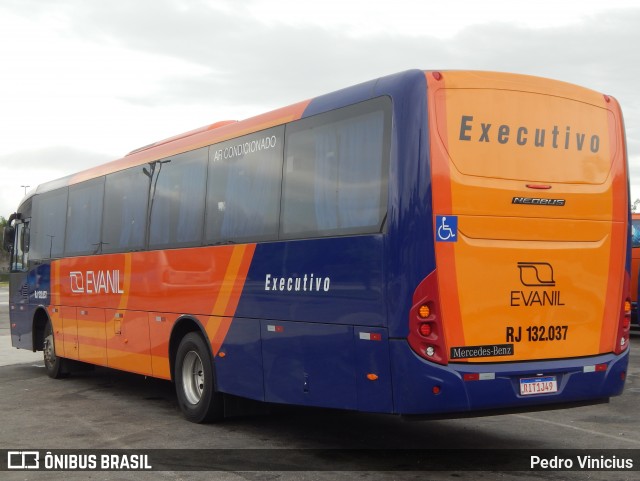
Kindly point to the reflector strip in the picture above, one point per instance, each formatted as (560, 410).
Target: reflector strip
(370, 336)
(596, 368)
(272, 328)
(479, 376)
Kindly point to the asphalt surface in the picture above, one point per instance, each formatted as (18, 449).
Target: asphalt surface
(105, 409)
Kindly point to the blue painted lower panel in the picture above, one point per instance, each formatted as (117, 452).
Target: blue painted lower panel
(414, 380)
(309, 364)
(239, 367)
(372, 359)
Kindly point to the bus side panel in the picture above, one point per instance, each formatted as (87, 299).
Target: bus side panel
(331, 281)
(69, 328)
(408, 249)
(92, 341)
(20, 313)
(239, 361)
(309, 364)
(128, 341)
(300, 369)
(373, 371)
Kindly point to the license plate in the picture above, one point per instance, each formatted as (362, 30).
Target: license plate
(538, 385)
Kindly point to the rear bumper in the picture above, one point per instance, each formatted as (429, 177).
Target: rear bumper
(414, 380)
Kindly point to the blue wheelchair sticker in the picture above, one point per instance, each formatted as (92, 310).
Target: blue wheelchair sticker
(447, 228)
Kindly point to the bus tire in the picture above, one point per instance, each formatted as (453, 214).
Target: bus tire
(197, 397)
(55, 366)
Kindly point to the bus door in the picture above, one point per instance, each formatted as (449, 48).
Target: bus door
(16, 241)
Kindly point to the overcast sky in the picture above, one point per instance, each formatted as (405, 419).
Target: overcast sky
(86, 81)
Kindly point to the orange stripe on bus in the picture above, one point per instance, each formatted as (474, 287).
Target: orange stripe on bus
(227, 301)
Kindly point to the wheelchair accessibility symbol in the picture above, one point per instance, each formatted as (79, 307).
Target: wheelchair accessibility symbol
(447, 228)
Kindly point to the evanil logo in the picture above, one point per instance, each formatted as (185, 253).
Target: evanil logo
(96, 282)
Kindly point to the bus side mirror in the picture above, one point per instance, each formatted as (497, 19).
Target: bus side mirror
(7, 238)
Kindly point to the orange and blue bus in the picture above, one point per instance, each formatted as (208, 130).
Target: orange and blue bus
(426, 243)
(635, 268)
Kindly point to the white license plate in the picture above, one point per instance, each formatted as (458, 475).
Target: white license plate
(538, 385)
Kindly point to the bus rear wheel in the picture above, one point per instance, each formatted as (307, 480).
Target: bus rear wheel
(194, 377)
(55, 366)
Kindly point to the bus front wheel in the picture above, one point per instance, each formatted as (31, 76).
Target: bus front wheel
(55, 366)
(194, 377)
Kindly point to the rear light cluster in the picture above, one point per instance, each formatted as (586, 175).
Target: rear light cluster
(624, 327)
(426, 336)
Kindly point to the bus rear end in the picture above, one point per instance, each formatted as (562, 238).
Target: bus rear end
(529, 302)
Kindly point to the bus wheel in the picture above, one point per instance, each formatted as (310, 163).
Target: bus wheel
(199, 401)
(55, 366)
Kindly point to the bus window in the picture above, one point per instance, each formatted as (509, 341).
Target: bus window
(125, 210)
(48, 225)
(20, 259)
(177, 200)
(336, 172)
(84, 218)
(243, 195)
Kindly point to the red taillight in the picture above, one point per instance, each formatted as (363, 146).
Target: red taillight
(426, 335)
(425, 329)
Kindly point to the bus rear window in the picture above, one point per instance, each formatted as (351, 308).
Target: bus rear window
(507, 134)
